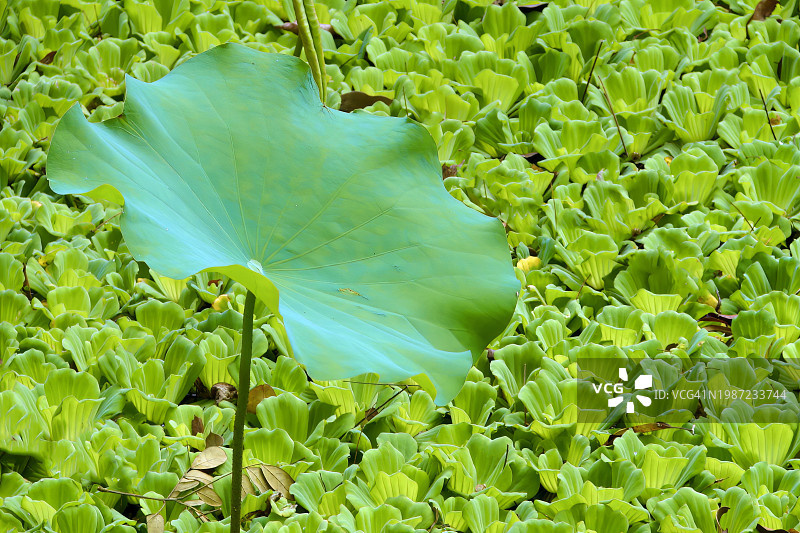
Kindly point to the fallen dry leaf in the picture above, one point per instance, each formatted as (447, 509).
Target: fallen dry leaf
(213, 440)
(197, 426)
(198, 475)
(641, 428)
(223, 392)
(210, 458)
(257, 477)
(257, 394)
(247, 487)
(210, 497)
(358, 100)
(763, 10)
(185, 485)
(279, 480)
(155, 523)
(193, 503)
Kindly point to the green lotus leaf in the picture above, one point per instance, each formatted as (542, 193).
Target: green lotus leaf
(372, 274)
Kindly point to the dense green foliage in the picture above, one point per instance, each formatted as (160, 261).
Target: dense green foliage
(653, 214)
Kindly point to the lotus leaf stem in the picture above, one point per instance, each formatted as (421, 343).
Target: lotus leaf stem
(307, 36)
(316, 39)
(241, 411)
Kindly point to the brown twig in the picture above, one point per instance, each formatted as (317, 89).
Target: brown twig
(580, 289)
(744, 217)
(168, 498)
(132, 495)
(591, 72)
(764, 102)
(106, 221)
(381, 384)
(371, 413)
(613, 115)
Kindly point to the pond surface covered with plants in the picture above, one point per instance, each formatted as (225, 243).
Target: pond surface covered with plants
(643, 158)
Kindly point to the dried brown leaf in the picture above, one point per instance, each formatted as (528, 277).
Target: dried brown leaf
(210, 458)
(210, 497)
(155, 523)
(763, 10)
(247, 487)
(257, 477)
(197, 426)
(193, 503)
(213, 440)
(223, 392)
(257, 394)
(198, 475)
(46, 60)
(448, 171)
(358, 100)
(526, 8)
(186, 485)
(279, 480)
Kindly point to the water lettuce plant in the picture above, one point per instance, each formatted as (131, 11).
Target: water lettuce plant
(642, 156)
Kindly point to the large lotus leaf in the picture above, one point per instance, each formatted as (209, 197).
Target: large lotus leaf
(230, 164)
